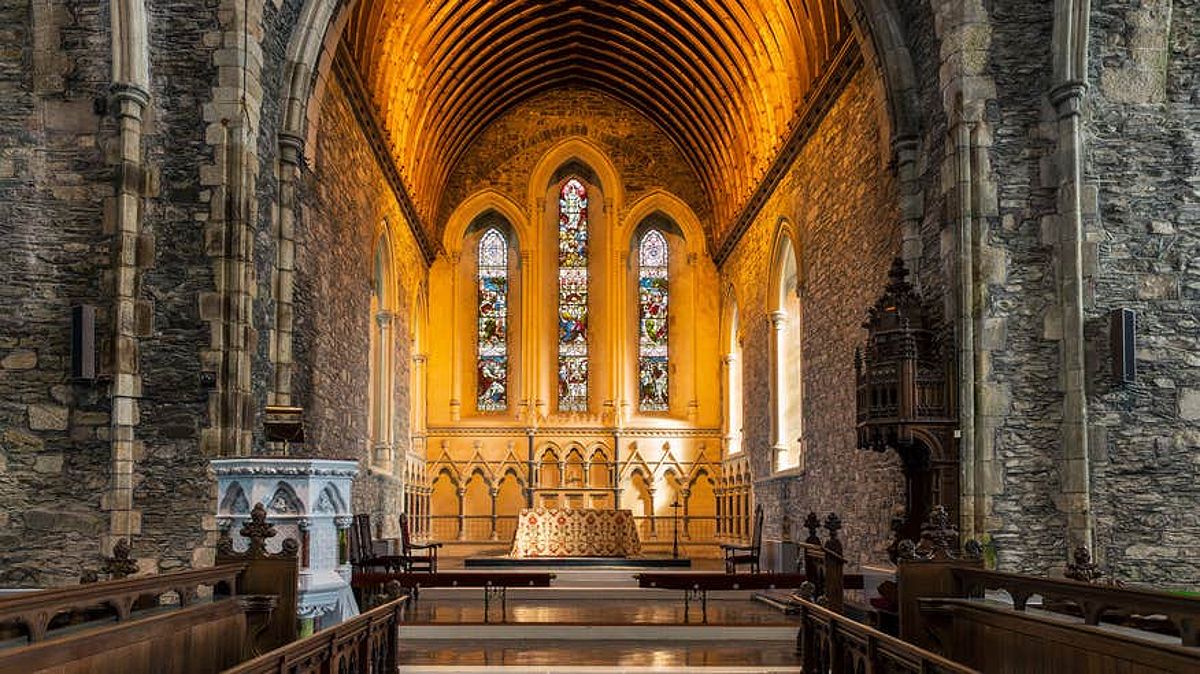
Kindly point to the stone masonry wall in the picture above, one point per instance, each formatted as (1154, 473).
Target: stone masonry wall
(54, 253)
(505, 154)
(849, 229)
(1143, 153)
(345, 199)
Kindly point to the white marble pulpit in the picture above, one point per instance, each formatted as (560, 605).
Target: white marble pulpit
(307, 500)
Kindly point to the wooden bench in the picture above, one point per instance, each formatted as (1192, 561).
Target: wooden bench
(494, 583)
(698, 585)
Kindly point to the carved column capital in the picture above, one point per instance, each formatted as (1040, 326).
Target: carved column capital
(778, 319)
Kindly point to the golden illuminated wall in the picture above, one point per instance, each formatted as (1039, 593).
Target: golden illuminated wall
(613, 454)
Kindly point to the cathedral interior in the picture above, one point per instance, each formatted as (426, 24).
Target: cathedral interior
(735, 268)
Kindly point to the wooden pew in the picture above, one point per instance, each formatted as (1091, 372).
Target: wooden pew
(494, 584)
(1079, 626)
(698, 585)
(198, 620)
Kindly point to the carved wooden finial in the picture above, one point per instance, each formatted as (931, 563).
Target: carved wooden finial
(257, 531)
(833, 524)
(812, 523)
(1082, 568)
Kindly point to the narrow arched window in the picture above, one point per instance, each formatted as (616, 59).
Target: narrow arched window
(573, 297)
(492, 358)
(653, 296)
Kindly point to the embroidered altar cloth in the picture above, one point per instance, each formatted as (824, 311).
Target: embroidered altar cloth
(575, 532)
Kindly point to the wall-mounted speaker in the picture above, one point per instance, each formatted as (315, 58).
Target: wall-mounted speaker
(1122, 330)
(83, 342)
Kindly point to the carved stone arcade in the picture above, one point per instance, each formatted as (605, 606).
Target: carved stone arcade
(905, 400)
(305, 500)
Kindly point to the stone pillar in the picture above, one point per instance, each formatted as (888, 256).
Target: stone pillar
(382, 456)
(653, 521)
(456, 359)
(686, 496)
(462, 514)
(779, 442)
(131, 250)
(1076, 483)
(493, 491)
(291, 150)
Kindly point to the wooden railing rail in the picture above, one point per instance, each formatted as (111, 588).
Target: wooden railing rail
(830, 642)
(364, 644)
(36, 611)
(1093, 601)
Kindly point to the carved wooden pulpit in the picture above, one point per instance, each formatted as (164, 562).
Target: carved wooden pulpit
(905, 400)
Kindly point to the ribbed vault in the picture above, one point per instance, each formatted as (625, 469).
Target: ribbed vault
(724, 79)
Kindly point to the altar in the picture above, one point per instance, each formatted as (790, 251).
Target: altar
(575, 532)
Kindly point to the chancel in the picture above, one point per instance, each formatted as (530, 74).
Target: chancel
(629, 335)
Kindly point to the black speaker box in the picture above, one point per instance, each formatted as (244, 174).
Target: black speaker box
(83, 342)
(1122, 330)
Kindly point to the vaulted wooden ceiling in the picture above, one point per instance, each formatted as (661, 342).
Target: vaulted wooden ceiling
(724, 79)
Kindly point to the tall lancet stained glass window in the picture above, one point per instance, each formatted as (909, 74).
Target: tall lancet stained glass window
(652, 322)
(572, 297)
(492, 359)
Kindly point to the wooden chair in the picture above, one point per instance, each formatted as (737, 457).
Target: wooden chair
(366, 553)
(412, 552)
(736, 555)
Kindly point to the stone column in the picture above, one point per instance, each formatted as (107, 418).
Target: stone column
(686, 496)
(462, 514)
(291, 150)
(382, 457)
(1076, 484)
(779, 443)
(493, 491)
(130, 102)
(653, 521)
(456, 359)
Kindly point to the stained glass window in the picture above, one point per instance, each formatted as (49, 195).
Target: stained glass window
(492, 359)
(572, 297)
(652, 322)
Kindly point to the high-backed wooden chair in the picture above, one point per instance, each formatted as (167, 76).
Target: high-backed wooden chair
(736, 555)
(367, 553)
(419, 556)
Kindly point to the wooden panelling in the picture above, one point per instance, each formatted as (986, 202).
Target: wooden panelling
(205, 637)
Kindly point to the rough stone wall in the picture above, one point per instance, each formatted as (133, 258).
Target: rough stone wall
(1020, 398)
(849, 233)
(1143, 149)
(54, 253)
(505, 154)
(172, 489)
(278, 22)
(344, 199)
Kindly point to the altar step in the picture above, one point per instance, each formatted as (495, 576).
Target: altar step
(590, 632)
(595, 657)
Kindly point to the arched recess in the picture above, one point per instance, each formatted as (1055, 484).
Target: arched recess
(586, 152)
(731, 374)
(484, 320)
(382, 365)
(880, 35)
(475, 205)
(691, 273)
(591, 385)
(785, 313)
(418, 372)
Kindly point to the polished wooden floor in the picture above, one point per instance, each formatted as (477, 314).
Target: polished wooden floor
(608, 654)
(592, 612)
